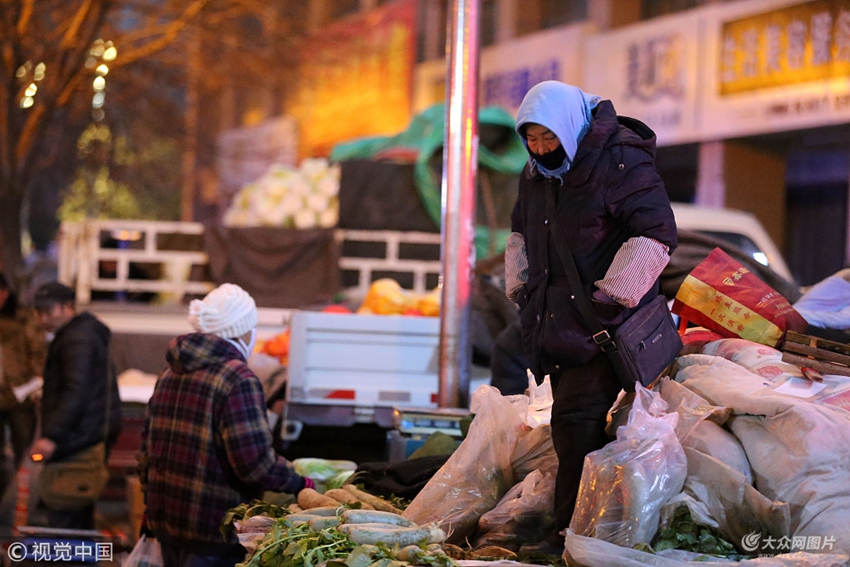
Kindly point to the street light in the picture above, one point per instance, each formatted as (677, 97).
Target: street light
(100, 52)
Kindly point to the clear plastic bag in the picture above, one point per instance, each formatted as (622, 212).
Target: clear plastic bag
(534, 451)
(589, 551)
(524, 514)
(146, 553)
(479, 472)
(539, 401)
(624, 484)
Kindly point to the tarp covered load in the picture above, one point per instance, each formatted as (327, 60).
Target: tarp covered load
(500, 151)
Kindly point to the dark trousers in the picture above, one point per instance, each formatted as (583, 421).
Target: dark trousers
(582, 397)
(177, 556)
(82, 519)
(508, 362)
(21, 422)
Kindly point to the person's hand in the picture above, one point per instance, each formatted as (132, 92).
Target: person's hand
(144, 530)
(42, 449)
(603, 297)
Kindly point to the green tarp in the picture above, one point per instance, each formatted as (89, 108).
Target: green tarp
(500, 150)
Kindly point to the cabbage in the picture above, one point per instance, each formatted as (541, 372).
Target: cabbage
(284, 196)
(323, 469)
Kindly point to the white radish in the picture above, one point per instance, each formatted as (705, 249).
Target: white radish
(376, 516)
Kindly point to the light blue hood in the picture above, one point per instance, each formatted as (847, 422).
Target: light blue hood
(563, 109)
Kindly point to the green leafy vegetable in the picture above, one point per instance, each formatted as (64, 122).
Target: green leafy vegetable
(683, 533)
(322, 469)
(286, 545)
(337, 480)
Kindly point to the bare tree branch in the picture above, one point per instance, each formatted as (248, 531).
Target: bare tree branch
(24, 18)
(248, 38)
(76, 22)
(166, 34)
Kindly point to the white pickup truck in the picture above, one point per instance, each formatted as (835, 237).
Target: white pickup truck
(739, 228)
(346, 369)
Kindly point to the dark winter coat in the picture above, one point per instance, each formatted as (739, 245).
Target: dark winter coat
(74, 404)
(611, 193)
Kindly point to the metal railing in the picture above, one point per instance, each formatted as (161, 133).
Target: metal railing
(391, 260)
(82, 254)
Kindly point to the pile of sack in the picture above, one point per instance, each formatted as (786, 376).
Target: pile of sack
(735, 458)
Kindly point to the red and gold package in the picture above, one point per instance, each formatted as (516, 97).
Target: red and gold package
(722, 295)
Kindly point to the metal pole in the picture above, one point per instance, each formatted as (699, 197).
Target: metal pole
(460, 166)
(190, 151)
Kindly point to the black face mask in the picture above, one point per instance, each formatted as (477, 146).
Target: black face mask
(552, 160)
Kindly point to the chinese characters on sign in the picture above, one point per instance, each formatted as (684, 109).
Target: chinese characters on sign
(508, 88)
(800, 43)
(656, 68)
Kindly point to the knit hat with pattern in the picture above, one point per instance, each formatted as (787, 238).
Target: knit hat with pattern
(227, 312)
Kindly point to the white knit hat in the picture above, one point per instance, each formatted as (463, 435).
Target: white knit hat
(227, 312)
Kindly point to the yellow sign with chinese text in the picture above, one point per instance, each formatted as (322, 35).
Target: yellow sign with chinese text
(800, 43)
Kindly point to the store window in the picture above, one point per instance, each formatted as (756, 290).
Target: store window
(654, 8)
(535, 15)
(489, 22)
(431, 32)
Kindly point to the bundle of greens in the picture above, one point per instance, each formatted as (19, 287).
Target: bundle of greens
(288, 545)
(683, 533)
(336, 537)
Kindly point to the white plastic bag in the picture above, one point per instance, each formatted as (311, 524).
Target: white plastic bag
(589, 551)
(539, 402)
(526, 513)
(624, 484)
(146, 553)
(479, 472)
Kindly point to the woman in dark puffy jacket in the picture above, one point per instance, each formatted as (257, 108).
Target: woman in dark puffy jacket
(614, 215)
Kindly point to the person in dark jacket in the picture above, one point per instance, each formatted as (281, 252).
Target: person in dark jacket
(614, 216)
(207, 444)
(80, 390)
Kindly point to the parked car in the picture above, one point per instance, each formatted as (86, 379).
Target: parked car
(739, 234)
(740, 228)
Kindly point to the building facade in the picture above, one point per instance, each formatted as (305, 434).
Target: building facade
(750, 98)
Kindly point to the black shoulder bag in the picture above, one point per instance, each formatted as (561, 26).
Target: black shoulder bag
(644, 345)
(78, 480)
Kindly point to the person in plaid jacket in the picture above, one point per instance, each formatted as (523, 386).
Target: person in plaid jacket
(207, 444)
